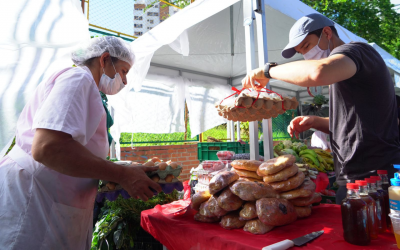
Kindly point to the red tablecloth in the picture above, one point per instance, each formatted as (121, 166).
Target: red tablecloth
(184, 233)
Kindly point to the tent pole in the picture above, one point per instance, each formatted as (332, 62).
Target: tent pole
(262, 59)
(248, 17)
(238, 130)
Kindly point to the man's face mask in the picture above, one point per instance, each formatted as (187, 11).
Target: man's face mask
(316, 52)
(111, 86)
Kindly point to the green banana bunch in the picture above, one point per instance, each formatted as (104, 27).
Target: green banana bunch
(328, 160)
(312, 165)
(312, 158)
(308, 151)
(322, 153)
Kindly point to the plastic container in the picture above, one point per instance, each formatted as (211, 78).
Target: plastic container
(200, 187)
(372, 218)
(379, 204)
(208, 150)
(225, 155)
(355, 217)
(385, 194)
(395, 218)
(394, 194)
(384, 177)
(212, 166)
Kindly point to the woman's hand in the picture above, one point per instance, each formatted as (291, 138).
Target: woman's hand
(135, 181)
(300, 124)
(255, 79)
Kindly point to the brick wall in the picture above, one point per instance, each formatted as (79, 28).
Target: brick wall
(185, 155)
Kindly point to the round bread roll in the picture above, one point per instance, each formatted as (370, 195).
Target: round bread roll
(275, 212)
(257, 227)
(247, 174)
(248, 211)
(162, 166)
(201, 218)
(149, 164)
(282, 175)
(169, 178)
(275, 165)
(249, 179)
(303, 212)
(251, 165)
(199, 198)
(291, 183)
(155, 178)
(305, 190)
(231, 221)
(315, 198)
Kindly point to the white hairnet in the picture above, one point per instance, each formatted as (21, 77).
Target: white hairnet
(97, 46)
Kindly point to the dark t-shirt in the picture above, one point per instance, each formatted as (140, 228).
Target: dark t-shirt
(363, 117)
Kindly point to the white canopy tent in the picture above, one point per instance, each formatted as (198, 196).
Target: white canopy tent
(195, 55)
(206, 42)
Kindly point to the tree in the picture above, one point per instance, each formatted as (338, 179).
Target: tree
(374, 20)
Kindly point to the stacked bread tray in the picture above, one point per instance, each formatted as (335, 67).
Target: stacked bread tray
(255, 106)
(256, 196)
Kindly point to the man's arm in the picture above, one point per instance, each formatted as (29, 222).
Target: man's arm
(309, 73)
(60, 152)
(303, 123)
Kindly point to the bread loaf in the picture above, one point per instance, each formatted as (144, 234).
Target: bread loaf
(282, 175)
(275, 165)
(291, 183)
(275, 212)
(251, 191)
(222, 180)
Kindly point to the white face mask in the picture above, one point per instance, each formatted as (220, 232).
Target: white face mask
(316, 52)
(111, 86)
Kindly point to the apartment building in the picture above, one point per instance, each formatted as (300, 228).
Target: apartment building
(155, 14)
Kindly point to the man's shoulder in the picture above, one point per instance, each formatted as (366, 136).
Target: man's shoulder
(353, 47)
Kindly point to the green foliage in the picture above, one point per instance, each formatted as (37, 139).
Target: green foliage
(119, 221)
(320, 99)
(374, 20)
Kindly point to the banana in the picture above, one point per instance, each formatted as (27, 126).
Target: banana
(322, 161)
(322, 152)
(308, 151)
(312, 158)
(328, 160)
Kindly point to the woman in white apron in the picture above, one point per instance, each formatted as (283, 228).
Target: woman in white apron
(48, 181)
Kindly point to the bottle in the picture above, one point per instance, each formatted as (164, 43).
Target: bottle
(193, 182)
(384, 177)
(385, 194)
(379, 201)
(355, 217)
(394, 199)
(371, 211)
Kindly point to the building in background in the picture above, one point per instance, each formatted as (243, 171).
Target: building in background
(154, 14)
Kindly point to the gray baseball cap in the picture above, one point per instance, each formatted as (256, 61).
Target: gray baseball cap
(300, 30)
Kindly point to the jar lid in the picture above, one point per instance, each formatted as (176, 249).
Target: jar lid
(352, 186)
(374, 177)
(396, 180)
(396, 166)
(361, 183)
(369, 180)
(381, 172)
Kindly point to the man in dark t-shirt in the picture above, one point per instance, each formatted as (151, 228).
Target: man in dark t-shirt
(362, 121)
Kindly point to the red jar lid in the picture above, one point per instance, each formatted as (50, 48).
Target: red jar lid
(352, 186)
(374, 177)
(381, 172)
(369, 180)
(361, 183)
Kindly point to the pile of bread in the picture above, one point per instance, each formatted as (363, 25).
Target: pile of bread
(255, 106)
(257, 196)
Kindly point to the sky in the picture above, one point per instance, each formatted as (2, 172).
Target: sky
(396, 2)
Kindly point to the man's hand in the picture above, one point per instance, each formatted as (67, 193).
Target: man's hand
(137, 183)
(255, 79)
(300, 124)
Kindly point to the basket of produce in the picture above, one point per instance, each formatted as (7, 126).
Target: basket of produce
(166, 176)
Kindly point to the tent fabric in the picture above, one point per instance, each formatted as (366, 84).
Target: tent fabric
(36, 40)
(391, 61)
(159, 106)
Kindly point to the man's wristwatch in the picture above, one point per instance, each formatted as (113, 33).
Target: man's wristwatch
(267, 67)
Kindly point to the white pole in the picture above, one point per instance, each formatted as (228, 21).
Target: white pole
(232, 130)
(248, 17)
(238, 130)
(262, 60)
